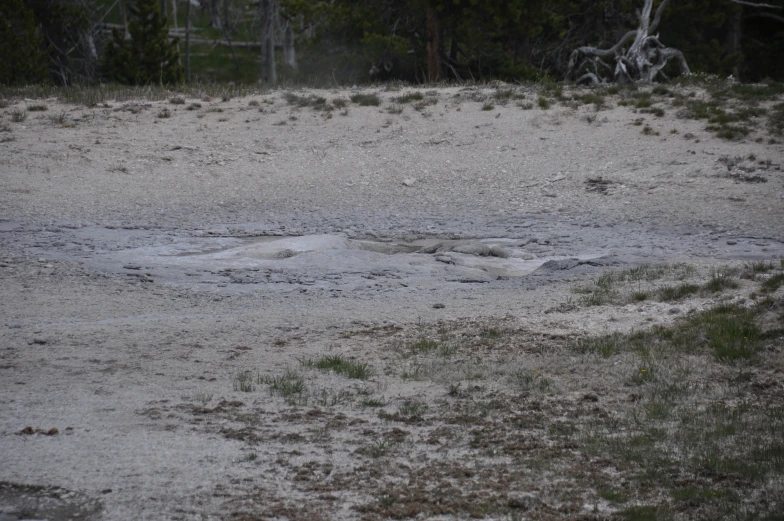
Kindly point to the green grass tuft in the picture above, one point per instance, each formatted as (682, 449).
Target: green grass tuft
(366, 100)
(669, 293)
(773, 283)
(288, 385)
(410, 97)
(423, 345)
(340, 365)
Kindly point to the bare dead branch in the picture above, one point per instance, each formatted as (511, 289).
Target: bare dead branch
(643, 61)
(752, 4)
(590, 77)
(657, 18)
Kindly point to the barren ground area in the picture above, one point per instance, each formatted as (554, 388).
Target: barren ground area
(494, 302)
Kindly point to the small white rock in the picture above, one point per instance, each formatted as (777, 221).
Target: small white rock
(409, 181)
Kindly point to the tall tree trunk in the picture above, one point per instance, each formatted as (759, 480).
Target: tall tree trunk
(226, 28)
(734, 35)
(289, 55)
(188, 40)
(267, 40)
(124, 19)
(215, 20)
(177, 29)
(163, 7)
(433, 45)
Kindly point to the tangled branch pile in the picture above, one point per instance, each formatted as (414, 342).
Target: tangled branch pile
(642, 62)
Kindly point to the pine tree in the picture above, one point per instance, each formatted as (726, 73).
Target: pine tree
(21, 44)
(149, 56)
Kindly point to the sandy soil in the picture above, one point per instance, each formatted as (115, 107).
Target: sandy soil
(147, 262)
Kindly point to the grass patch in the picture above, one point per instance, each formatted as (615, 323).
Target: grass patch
(633, 285)
(311, 101)
(750, 92)
(373, 402)
(715, 443)
(326, 398)
(543, 103)
(423, 104)
(721, 280)
(592, 98)
(409, 98)
(729, 132)
(202, 398)
(505, 95)
(605, 346)
(340, 365)
(244, 382)
(760, 267)
(731, 333)
(413, 410)
(530, 380)
(18, 115)
(488, 106)
(377, 450)
(490, 333)
(776, 119)
(37, 108)
(642, 513)
(60, 118)
(773, 283)
(648, 131)
(613, 496)
(289, 385)
(366, 100)
(681, 291)
(423, 345)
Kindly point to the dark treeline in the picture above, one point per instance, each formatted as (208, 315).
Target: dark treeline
(66, 41)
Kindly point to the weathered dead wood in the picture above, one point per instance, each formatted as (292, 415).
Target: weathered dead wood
(642, 62)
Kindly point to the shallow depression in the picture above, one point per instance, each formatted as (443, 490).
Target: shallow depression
(335, 254)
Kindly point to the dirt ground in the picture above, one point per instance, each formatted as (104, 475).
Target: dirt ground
(173, 274)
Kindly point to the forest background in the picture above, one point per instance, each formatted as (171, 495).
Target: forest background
(344, 42)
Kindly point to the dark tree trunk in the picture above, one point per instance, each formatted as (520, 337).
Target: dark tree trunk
(433, 46)
(215, 20)
(188, 41)
(267, 39)
(734, 35)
